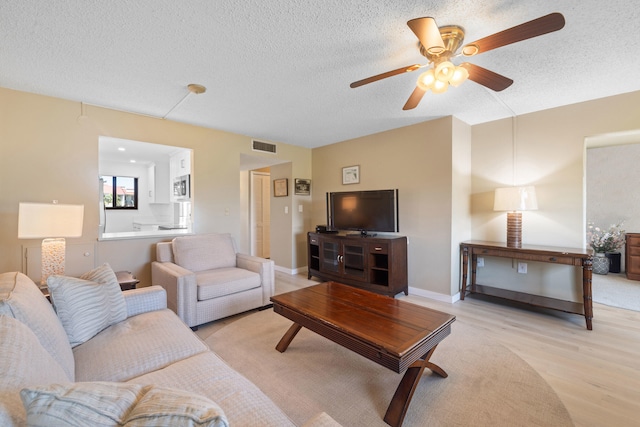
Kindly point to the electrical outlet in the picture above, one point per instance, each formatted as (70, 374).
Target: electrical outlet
(480, 262)
(522, 267)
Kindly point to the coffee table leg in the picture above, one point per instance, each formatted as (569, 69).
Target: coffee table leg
(288, 337)
(402, 397)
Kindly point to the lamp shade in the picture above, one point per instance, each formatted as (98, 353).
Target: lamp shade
(515, 199)
(42, 220)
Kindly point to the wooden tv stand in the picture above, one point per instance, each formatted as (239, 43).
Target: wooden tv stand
(377, 264)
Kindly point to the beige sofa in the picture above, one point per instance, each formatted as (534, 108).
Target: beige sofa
(149, 364)
(206, 279)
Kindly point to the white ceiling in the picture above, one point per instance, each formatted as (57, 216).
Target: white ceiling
(280, 70)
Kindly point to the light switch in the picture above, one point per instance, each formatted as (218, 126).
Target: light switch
(286, 209)
(226, 211)
(299, 208)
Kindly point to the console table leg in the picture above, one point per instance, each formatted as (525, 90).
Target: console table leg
(587, 273)
(402, 397)
(288, 337)
(465, 269)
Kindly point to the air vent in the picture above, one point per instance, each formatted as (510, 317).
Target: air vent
(263, 146)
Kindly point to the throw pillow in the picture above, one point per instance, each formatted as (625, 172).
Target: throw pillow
(79, 404)
(118, 404)
(104, 275)
(21, 299)
(85, 307)
(162, 406)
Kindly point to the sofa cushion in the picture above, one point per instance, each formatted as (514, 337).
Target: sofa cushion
(225, 281)
(208, 375)
(204, 252)
(86, 307)
(117, 404)
(23, 362)
(135, 346)
(20, 298)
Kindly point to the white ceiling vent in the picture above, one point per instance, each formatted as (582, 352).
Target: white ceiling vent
(263, 146)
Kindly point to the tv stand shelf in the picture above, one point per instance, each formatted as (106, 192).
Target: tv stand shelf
(377, 264)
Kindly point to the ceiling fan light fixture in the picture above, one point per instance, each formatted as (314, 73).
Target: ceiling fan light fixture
(444, 71)
(426, 80)
(435, 50)
(470, 50)
(460, 75)
(440, 86)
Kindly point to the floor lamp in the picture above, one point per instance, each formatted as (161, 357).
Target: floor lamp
(51, 222)
(514, 200)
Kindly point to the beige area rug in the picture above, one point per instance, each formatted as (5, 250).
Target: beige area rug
(488, 385)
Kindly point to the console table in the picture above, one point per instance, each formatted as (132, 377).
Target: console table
(567, 256)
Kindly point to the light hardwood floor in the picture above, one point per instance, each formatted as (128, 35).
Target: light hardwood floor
(595, 373)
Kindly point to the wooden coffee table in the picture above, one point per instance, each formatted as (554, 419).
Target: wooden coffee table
(395, 334)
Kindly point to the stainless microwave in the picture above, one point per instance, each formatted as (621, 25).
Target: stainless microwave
(182, 187)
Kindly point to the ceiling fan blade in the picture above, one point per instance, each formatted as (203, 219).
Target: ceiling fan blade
(414, 99)
(486, 77)
(428, 33)
(537, 27)
(377, 77)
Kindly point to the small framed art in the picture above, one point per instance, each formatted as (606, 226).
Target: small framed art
(280, 187)
(302, 187)
(351, 175)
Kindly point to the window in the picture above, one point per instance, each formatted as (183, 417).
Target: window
(120, 192)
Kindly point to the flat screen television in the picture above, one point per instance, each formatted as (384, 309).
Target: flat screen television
(364, 211)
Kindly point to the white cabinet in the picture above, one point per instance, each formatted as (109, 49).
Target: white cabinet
(180, 164)
(159, 185)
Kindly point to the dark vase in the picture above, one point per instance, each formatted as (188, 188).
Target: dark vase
(614, 261)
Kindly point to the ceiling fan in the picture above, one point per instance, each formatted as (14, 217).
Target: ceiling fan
(440, 44)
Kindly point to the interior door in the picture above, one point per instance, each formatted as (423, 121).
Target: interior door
(260, 214)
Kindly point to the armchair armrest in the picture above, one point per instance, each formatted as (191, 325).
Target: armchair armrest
(143, 300)
(181, 287)
(265, 268)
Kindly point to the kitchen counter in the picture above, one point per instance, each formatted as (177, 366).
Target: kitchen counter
(145, 234)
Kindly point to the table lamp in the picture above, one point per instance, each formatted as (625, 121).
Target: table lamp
(51, 222)
(514, 200)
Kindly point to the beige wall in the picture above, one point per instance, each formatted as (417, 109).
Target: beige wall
(47, 154)
(550, 154)
(440, 205)
(429, 163)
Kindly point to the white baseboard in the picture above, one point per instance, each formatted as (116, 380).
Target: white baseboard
(434, 295)
(291, 272)
(412, 291)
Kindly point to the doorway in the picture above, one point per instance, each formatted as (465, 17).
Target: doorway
(260, 210)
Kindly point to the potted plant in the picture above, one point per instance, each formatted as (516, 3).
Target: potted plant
(604, 242)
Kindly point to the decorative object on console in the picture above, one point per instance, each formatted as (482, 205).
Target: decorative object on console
(514, 200)
(51, 222)
(280, 187)
(605, 242)
(600, 263)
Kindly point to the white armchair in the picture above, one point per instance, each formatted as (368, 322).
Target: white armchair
(206, 279)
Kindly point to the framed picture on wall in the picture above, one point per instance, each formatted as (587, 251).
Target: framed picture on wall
(351, 175)
(302, 187)
(280, 187)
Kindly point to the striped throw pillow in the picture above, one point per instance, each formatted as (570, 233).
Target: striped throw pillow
(86, 307)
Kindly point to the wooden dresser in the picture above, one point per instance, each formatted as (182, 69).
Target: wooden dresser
(632, 256)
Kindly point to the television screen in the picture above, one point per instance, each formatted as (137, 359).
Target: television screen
(375, 210)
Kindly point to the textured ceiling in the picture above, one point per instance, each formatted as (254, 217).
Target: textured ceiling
(279, 70)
